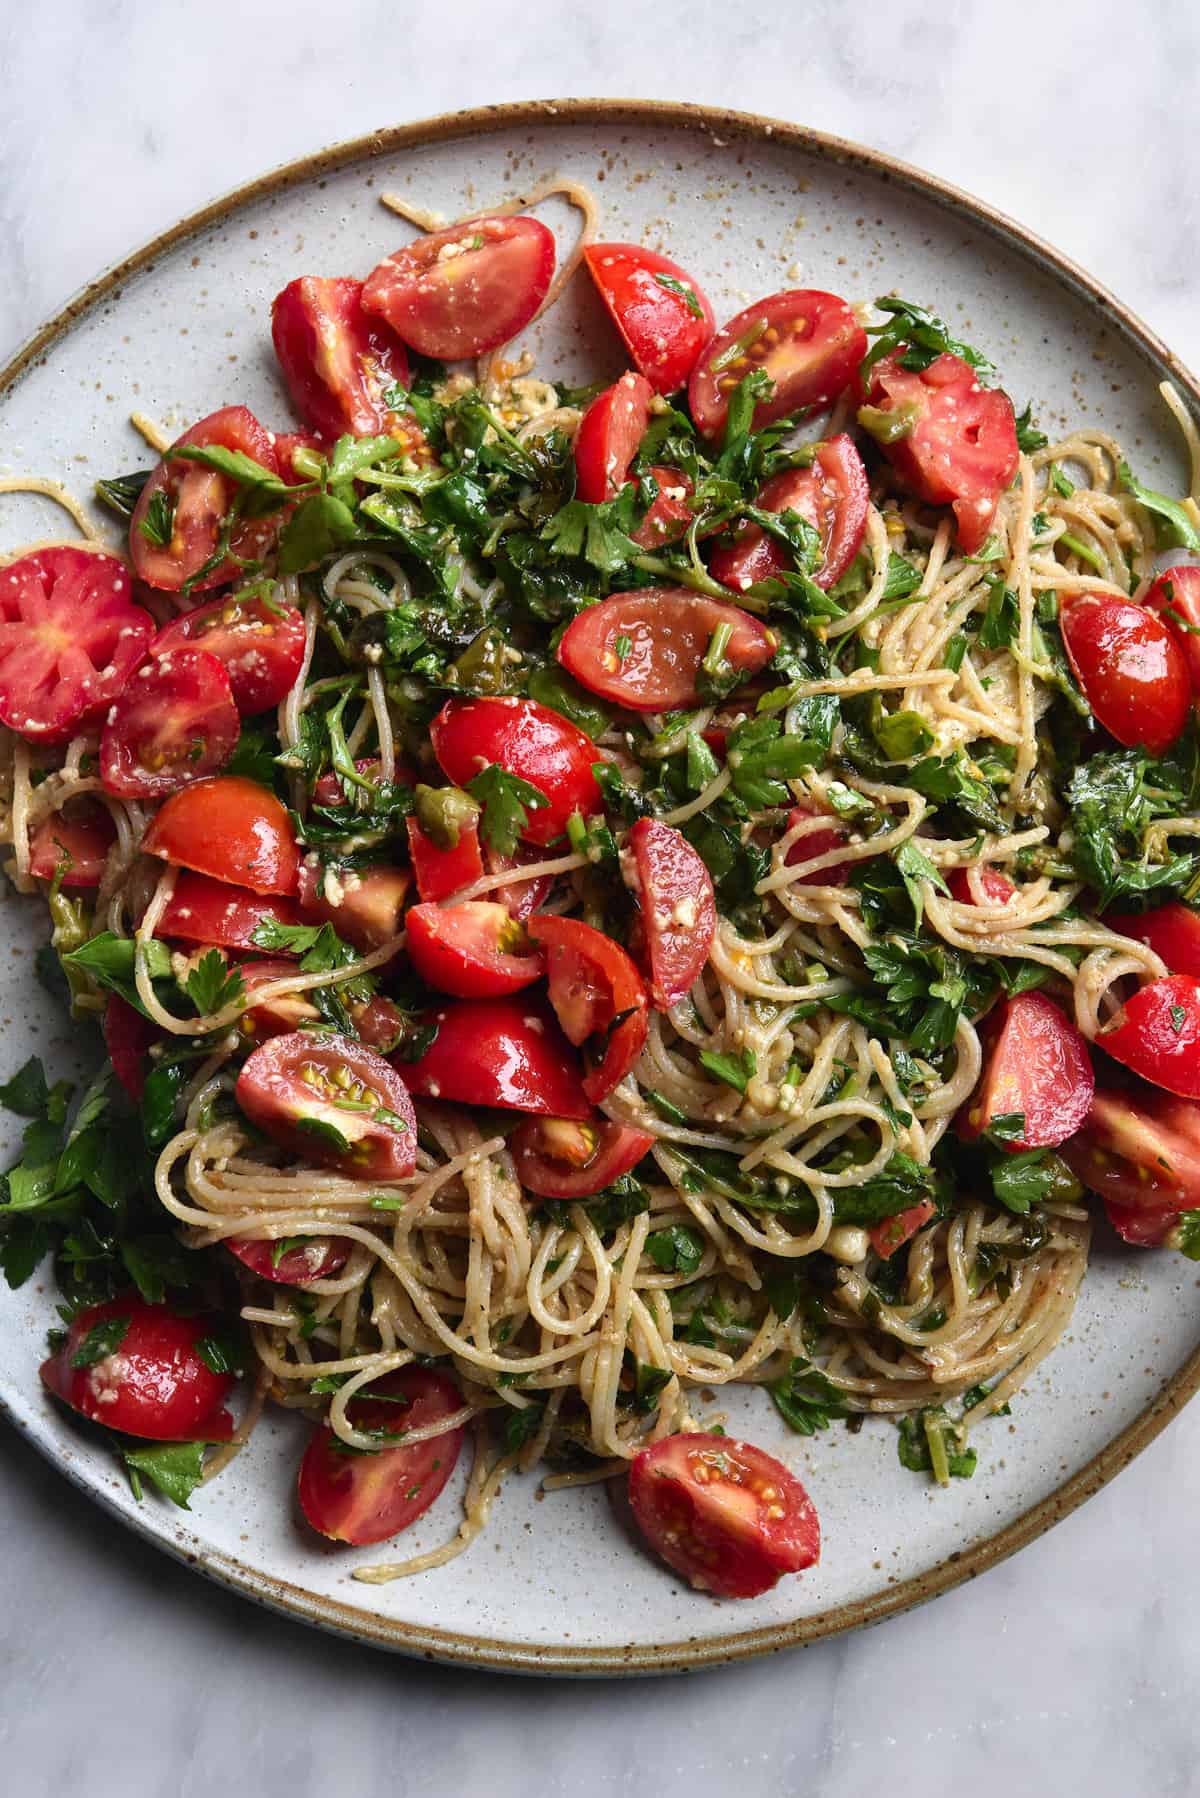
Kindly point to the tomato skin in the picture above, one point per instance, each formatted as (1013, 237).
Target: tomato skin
(521, 897)
(154, 1385)
(476, 298)
(370, 907)
(175, 723)
(668, 516)
(230, 828)
(204, 910)
(290, 1079)
(278, 1016)
(1039, 1065)
(460, 949)
(679, 909)
(127, 1037)
(1172, 931)
(528, 740)
(1157, 1034)
(368, 1498)
(260, 650)
(201, 498)
(815, 843)
(507, 1052)
(610, 1150)
(1139, 1151)
(669, 629)
(997, 888)
(663, 334)
(608, 437)
(894, 1232)
(810, 343)
(1175, 597)
(440, 873)
(704, 1504)
(321, 1258)
(1131, 668)
(1141, 1225)
(833, 495)
(592, 983)
(82, 835)
(337, 360)
(379, 1024)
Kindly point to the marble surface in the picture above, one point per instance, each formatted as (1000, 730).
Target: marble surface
(1072, 1668)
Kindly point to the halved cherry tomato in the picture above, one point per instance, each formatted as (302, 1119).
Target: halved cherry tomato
(521, 897)
(329, 1099)
(1139, 1224)
(317, 1258)
(127, 1037)
(443, 872)
(276, 1016)
(598, 998)
(658, 309)
(608, 437)
(470, 288)
(1175, 596)
(809, 343)
(668, 631)
(175, 723)
(77, 840)
(815, 843)
(364, 908)
(231, 828)
(1131, 668)
(729, 1517)
(833, 495)
(952, 441)
(561, 1158)
(153, 1382)
(367, 1498)
(259, 645)
(475, 951)
(1157, 1034)
(1038, 1066)
(378, 1022)
(69, 641)
(525, 739)
(337, 360)
(506, 1052)
(1139, 1149)
(668, 516)
(996, 888)
(679, 909)
(1172, 931)
(196, 501)
(203, 910)
(894, 1232)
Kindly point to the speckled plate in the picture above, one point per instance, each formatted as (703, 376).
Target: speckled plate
(749, 206)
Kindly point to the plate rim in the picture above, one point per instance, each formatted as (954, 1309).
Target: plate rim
(689, 1654)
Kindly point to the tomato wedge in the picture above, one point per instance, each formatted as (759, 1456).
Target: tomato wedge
(276, 1016)
(259, 644)
(186, 504)
(439, 873)
(833, 495)
(809, 343)
(560, 1158)
(894, 1232)
(608, 437)
(329, 1099)
(76, 840)
(1139, 1149)
(668, 516)
(1131, 668)
(175, 723)
(679, 909)
(1172, 931)
(728, 1517)
(287, 443)
(1038, 1067)
(528, 740)
(291, 1264)
(378, 1022)
(230, 828)
(337, 360)
(464, 290)
(363, 1498)
(664, 634)
(521, 897)
(137, 1368)
(598, 998)
(1175, 597)
(365, 909)
(1157, 1034)
(996, 888)
(203, 910)
(660, 312)
(813, 844)
(70, 638)
(505, 1052)
(127, 1037)
(475, 951)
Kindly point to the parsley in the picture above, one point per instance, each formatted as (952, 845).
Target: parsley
(176, 1468)
(521, 1426)
(686, 293)
(925, 1446)
(1112, 798)
(211, 985)
(666, 1108)
(221, 1353)
(507, 801)
(641, 1383)
(1028, 436)
(735, 1070)
(1060, 482)
(1187, 1234)
(121, 494)
(319, 945)
(1029, 1178)
(102, 1340)
(914, 867)
(678, 1249)
(806, 1399)
(900, 735)
(157, 523)
(760, 758)
(925, 337)
(1002, 617)
(1173, 526)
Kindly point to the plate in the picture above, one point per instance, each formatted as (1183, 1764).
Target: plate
(750, 206)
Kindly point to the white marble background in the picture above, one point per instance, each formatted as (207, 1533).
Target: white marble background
(1073, 1669)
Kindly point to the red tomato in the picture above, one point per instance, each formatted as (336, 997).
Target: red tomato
(475, 951)
(558, 1158)
(668, 630)
(521, 897)
(728, 1517)
(815, 843)
(332, 790)
(77, 840)
(525, 739)
(329, 1099)
(1157, 1034)
(997, 888)
(958, 445)
(197, 500)
(1175, 596)
(465, 290)
(506, 1052)
(127, 1037)
(1172, 931)
(259, 645)
(203, 910)
(287, 443)
(1139, 1149)
(608, 437)
(809, 343)
(378, 1022)
(153, 1383)
(338, 361)
(668, 516)
(231, 828)
(664, 328)
(365, 909)
(1131, 669)
(317, 1258)
(277, 1016)
(598, 998)
(69, 641)
(894, 1232)
(1138, 1224)
(367, 1498)
(174, 723)
(833, 495)
(441, 872)
(1038, 1066)
(679, 909)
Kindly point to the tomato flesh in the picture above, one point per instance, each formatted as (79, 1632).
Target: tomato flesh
(598, 998)
(1172, 931)
(203, 910)
(366, 909)
(317, 1258)
(70, 639)
(521, 897)
(894, 1232)
(560, 1158)
(608, 437)
(276, 1016)
(230, 828)
(475, 951)
(337, 360)
(1139, 1151)
(506, 1052)
(528, 740)
(330, 1099)
(809, 343)
(679, 909)
(1131, 668)
(664, 634)
(1157, 1034)
(196, 500)
(1175, 598)
(1039, 1066)
(440, 873)
(465, 290)
(833, 496)
(76, 840)
(259, 645)
(175, 723)
(997, 888)
(127, 1037)
(815, 843)
(154, 1383)
(664, 328)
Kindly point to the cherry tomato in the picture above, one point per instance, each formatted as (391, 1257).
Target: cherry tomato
(329, 1099)
(809, 343)
(1131, 668)
(260, 645)
(668, 631)
(598, 998)
(1138, 1224)
(337, 360)
(442, 872)
(662, 315)
(331, 790)
(276, 1016)
(521, 897)
(608, 437)
(1157, 1034)
(287, 444)
(192, 502)
(366, 909)
(525, 739)
(152, 1382)
(833, 495)
(894, 1232)
(378, 1022)
(476, 951)
(728, 1517)
(1172, 931)
(996, 888)
(560, 1158)
(203, 910)
(1038, 1066)
(174, 723)
(506, 1052)
(1175, 596)
(465, 290)
(231, 828)
(76, 840)
(816, 843)
(127, 1037)
(668, 516)
(1139, 1148)
(679, 909)
(316, 1258)
(367, 1498)
(951, 441)
(69, 641)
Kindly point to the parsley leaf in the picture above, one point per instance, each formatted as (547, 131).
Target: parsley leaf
(211, 984)
(1173, 527)
(507, 801)
(102, 1340)
(678, 1249)
(806, 1399)
(176, 1468)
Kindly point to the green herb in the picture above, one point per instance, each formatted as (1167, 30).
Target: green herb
(806, 1399)
(925, 337)
(521, 1426)
(914, 867)
(686, 294)
(665, 1108)
(1029, 438)
(735, 1070)
(1173, 525)
(1187, 1234)
(1060, 482)
(678, 1249)
(221, 1353)
(176, 1468)
(900, 735)
(930, 1442)
(507, 801)
(211, 984)
(157, 523)
(121, 494)
(101, 1341)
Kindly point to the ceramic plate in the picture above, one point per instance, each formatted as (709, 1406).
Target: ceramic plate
(750, 207)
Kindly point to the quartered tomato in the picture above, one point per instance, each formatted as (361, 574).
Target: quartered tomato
(259, 643)
(476, 951)
(678, 908)
(561, 1158)
(70, 638)
(329, 1099)
(287, 1263)
(174, 723)
(522, 897)
(894, 1232)
(598, 998)
(528, 740)
(1156, 1034)
(664, 634)
(441, 872)
(364, 1498)
(186, 504)
(366, 909)
(505, 1052)
(1131, 668)
(813, 844)
(608, 437)
(379, 1023)
(1175, 597)
(731, 1519)
(338, 361)
(276, 1016)
(137, 1368)
(127, 1037)
(203, 910)
(832, 495)
(465, 290)
(809, 343)
(994, 888)
(1139, 1150)
(668, 515)
(1038, 1066)
(1172, 931)
(231, 828)
(76, 840)
(658, 309)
